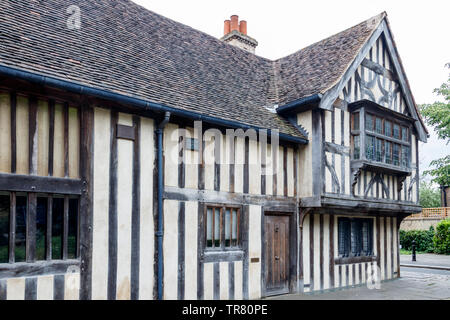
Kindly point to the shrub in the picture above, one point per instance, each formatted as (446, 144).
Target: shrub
(424, 239)
(441, 239)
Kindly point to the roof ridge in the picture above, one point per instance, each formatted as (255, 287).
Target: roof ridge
(197, 30)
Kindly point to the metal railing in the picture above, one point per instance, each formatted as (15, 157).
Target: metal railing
(442, 213)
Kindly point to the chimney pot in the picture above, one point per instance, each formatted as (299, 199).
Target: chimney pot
(226, 27)
(243, 27)
(234, 23)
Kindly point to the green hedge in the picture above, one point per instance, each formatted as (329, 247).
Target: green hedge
(441, 239)
(424, 239)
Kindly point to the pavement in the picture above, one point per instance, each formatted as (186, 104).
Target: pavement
(426, 260)
(416, 283)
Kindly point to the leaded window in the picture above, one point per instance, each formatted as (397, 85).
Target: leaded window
(396, 131)
(355, 237)
(405, 156)
(405, 136)
(396, 154)
(370, 148)
(378, 150)
(387, 152)
(381, 139)
(356, 149)
(378, 126)
(369, 122)
(388, 128)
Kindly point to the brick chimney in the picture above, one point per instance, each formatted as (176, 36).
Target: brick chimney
(235, 33)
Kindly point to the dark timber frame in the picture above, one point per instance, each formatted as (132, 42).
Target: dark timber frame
(49, 186)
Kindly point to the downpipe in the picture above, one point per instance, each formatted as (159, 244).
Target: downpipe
(160, 232)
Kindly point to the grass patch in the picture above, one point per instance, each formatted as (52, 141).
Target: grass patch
(409, 252)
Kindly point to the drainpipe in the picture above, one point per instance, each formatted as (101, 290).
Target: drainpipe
(159, 232)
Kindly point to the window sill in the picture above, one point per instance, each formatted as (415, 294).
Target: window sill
(223, 255)
(350, 260)
(380, 167)
(39, 268)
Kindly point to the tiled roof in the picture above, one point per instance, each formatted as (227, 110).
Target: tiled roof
(319, 66)
(124, 48)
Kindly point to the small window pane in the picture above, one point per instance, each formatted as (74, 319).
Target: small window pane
(73, 229)
(369, 122)
(4, 227)
(396, 131)
(378, 150)
(355, 237)
(405, 136)
(227, 228)
(396, 154)
(356, 121)
(388, 128)
(343, 236)
(234, 227)
(209, 220)
(21, 227)
(217, 227)
(378, 126)
(370, 148)
(41, 227)
(387, 152)
(356, 148)
(57, 227)
(365, 237)
(405, 156)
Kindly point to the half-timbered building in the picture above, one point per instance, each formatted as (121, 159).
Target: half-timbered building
(143, 159)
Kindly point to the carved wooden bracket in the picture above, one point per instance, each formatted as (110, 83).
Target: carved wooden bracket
(356, 172)
(303, 212)
(400, 181)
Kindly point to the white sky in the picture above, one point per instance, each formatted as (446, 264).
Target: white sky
(421, 30)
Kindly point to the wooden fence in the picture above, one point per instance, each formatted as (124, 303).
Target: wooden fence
(441, 213)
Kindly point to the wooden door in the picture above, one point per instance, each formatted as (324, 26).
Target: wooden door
(276, 246)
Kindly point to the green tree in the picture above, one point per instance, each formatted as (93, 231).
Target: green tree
(438, 116)
(429, 197)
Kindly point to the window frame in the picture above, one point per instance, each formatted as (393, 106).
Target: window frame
(366, 112)
(222, 247)
(348, 244)
(31, 199)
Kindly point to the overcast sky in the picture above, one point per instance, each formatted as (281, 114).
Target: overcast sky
(421, 30)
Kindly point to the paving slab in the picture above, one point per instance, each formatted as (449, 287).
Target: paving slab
(413, 285)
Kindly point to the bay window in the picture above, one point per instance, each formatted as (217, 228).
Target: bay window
(377, 136)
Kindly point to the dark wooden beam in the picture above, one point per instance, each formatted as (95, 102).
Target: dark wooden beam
(86, 200)
(12, 227)
(135, 211)
(51, 135)
(66, 138)
(331, 251)
(39, 268)
(32, 135)
(113, 223)
(48, 236)
(31, 228)
(13, 132)
(65, 237)
(26, 183)
(379, 69)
